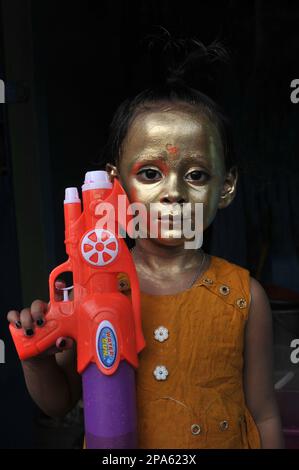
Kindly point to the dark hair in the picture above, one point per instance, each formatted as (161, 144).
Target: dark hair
(170, 86)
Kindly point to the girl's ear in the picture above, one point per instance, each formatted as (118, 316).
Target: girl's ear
(112, 171)
(229, 188)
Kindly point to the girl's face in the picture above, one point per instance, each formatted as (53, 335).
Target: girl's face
(174, 155)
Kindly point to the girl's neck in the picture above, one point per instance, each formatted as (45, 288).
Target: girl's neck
(164, 261)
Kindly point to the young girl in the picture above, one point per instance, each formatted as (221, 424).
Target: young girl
(205, 376)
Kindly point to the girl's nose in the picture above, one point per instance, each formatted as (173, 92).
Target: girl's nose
(171, 198)
(172, 192)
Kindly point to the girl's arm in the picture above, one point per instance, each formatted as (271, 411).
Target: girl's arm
(51, 378)
(53, 382)
(258, 369)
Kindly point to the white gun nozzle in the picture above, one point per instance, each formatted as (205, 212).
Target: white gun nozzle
(71, 195)
(97, 180)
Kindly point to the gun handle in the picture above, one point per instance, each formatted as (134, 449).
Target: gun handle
(58, 323)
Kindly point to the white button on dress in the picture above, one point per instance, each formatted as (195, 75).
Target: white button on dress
(161, 334)
(160, 373)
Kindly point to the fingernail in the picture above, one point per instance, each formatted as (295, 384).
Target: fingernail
(29, 332)
(18, 324)
(40, 322)
(62, 343)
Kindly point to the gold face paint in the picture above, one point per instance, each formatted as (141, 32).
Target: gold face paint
(173, 156)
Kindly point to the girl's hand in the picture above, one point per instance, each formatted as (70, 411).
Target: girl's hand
(35, 317)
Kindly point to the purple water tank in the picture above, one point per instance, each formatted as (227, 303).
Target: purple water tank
(110, 408)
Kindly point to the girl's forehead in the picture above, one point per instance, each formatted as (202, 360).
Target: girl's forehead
(172, 134)
(173, 127)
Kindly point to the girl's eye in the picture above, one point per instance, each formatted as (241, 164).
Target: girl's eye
(149, 174)
(197, 176)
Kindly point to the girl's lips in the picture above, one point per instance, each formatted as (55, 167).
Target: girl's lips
(170, 217)
(171, 223)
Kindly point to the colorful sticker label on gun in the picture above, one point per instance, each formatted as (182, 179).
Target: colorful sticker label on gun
(106, 344)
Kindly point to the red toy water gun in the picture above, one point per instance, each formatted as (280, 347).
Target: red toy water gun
(104, 322)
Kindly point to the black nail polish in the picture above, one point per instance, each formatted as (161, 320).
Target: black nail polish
(62, 343)
(18, 324)
(29, 332)
(40, 322)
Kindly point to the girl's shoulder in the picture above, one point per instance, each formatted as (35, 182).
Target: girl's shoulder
(228, 281)
(221, 269)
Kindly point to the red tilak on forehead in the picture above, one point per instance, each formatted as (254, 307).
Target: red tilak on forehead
(172, 149)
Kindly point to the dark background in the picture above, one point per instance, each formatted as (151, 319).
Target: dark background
(67, 65)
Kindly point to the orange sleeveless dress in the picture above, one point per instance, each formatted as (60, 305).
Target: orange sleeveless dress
(189, 381)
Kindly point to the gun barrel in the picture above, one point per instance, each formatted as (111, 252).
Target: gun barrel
(72, 208)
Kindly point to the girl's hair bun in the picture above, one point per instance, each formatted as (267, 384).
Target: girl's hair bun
(184, 61)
